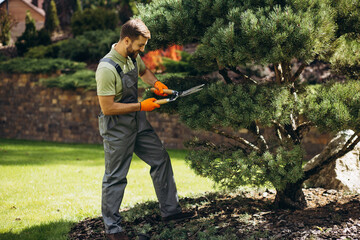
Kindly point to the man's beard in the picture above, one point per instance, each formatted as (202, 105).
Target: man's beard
(131, 53)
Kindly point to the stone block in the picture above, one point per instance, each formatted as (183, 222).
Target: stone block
(341, 174)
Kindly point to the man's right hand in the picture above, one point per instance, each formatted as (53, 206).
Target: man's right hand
(148, 105)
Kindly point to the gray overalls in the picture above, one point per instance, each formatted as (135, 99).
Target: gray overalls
(122, 136)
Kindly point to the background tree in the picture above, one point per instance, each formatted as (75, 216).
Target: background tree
(78, 6)
(29, 36)
(273, 33)
(93, 19)
(52, 22)
(6, 23)
(346, 55)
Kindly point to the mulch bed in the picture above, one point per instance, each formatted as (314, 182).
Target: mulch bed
(330, 214)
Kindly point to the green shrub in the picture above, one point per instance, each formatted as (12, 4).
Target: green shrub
(93, 19)
(345, 59)
(52, 22)
(31, 37)
(6, 23)
(186, 64)
(3, 57)
(28, 65)
(91, 46)
(80, 79)
(49, 51)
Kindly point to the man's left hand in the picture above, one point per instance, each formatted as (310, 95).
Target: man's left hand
(160, 88)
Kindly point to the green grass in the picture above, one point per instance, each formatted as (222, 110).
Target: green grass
(47, 187)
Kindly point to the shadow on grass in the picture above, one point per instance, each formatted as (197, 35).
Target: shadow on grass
(51, 231)
(23, 152)
(26, 152)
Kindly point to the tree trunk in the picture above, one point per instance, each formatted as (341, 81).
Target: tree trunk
(292, 197)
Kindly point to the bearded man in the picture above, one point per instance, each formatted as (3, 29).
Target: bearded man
(125, 130)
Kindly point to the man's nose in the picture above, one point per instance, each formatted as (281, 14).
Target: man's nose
(142, 49)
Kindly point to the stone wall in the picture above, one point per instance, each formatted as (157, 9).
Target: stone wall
(30, 111)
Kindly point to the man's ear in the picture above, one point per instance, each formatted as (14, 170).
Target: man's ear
(127, 41)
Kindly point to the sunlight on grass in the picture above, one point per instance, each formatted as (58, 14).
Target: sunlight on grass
(43, 183)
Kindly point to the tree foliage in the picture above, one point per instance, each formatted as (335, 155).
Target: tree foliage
(31, 37)
(45, 65)
(88, 47)
(93, 19)
(52, 22)
(6, 23)
(271, 33)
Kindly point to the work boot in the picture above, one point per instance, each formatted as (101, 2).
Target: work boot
(117, 236)
(179, 216)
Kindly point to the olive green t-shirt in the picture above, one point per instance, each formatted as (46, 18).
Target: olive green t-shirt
(106, 74)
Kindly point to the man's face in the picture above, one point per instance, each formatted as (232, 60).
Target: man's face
(136, 46)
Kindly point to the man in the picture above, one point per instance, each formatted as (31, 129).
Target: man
(125, 130)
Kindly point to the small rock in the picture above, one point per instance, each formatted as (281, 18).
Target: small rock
(300, 225)
(331, 191)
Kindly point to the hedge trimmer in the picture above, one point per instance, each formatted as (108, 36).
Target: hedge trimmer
(176, 94)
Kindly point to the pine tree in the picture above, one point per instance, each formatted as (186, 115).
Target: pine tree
(30, 26)
(29, 36)
(6, 23)
(232, 33)
(51, 19)
(78, 6)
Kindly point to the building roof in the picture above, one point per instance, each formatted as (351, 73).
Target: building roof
(30, 5)
(39, 10)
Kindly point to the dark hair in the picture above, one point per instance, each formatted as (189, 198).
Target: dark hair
(133, 29)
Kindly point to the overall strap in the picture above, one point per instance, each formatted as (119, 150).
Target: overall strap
(114, 64)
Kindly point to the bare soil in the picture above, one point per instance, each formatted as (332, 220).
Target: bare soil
(330, 214)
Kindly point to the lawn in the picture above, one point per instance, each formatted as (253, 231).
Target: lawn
(47, 187)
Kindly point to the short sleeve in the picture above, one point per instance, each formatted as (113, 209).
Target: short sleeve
(105, 82)
(141, 65)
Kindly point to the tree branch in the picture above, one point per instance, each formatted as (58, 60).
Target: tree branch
(305, 126)
(248, 145)
(223, 72)
(298, 72)
(349, 143)
(281, 130)
(260, 138)
(277, 73)
(285, 69)
(243, 76)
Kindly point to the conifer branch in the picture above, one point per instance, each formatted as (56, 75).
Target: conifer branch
(248, 145)
(256, 130)
(278, 133)
(349, 143)
(277, 73)
(285, 69)
(298, 72)
(281, 129)
(224, 73)
(304, 127)
(293, 122)
(243, 76)
(349, 146)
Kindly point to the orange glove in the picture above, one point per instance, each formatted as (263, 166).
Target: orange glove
(148, 105)
(159, 88)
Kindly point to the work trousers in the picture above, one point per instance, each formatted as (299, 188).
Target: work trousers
(122, 139)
